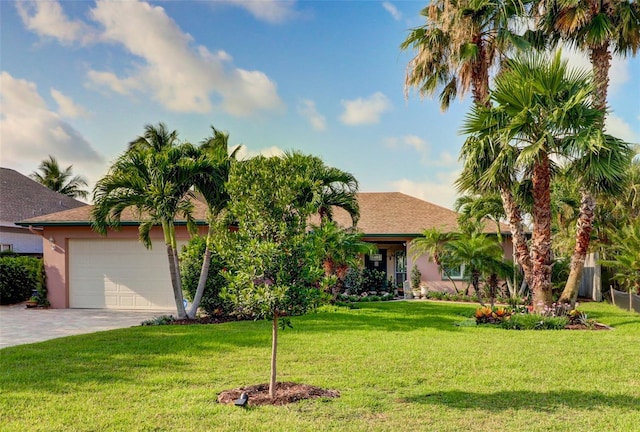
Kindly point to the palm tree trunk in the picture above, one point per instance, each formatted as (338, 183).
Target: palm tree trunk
(583, 235)
(480, 74)
(175, 283)
(274, 352)
(204, 275)
(600, 58)
(520, 247)
(541, 239)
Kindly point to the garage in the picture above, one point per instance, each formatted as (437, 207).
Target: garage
(118, 274)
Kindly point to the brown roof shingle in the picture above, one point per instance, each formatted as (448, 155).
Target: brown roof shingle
(381, 213)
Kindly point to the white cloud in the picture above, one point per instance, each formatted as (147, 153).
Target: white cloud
(272, 11)
(168, 69)
(67, 107)
(30, 131)
(307, 109)
(617, 127)
(395, 13)
(245, 153)
(365, 111)
(173, 73)
(47, 19)
(422, 147)
(440, 191)
(618, 73)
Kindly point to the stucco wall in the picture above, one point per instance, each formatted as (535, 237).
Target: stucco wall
(56, 260)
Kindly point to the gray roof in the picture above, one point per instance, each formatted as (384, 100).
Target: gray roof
(22, 198)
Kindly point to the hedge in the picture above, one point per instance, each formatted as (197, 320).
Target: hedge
(20, 277)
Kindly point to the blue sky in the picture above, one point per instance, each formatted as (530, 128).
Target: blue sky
(81, 79)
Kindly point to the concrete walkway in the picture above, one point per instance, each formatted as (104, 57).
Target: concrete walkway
(19, 325)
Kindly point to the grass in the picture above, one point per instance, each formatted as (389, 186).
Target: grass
(398, 365)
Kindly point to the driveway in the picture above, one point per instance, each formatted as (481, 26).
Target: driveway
(19, 325)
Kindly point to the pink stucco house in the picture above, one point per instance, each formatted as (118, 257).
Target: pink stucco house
(87, 270)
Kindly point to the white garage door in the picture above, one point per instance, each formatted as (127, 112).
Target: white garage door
(119, 274)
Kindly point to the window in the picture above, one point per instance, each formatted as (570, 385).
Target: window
(6, 247)
(455, 273)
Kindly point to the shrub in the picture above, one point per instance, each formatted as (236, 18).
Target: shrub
(190, 267)
(353, 281)
(20, 278)
(534, 322)
(373, 280)
(415, 277)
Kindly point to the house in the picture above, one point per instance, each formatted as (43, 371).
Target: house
(391, 220)
(22, 198)
(87, 270)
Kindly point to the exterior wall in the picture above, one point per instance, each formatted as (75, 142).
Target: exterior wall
(56, 261)
(430, 273)
(21, 240)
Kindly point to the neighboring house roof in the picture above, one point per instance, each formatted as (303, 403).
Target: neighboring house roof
(384, 214)
(396, 214)
(22, 198)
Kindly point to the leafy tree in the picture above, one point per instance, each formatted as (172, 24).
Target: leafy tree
(543, 112)
(625, 259)
(59, 180)
(155, 177)
(275, 270)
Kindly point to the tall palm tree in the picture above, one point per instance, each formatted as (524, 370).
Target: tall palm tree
(458, 45)
(601, 28)
(546, 112)
(155, 179)
(59, 180)
(211, 183)
(455, 51)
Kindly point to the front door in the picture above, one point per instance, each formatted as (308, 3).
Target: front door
(377, 261)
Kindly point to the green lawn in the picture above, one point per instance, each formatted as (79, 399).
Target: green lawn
(400, 366)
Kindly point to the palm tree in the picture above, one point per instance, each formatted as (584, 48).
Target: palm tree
(211, 183)
(328, 188)
(458, 45)
(62, 181)
(481, 255)
(474, 210)
(600, 28)
(339, 250)
(456, 49)
(154, 177)
(432, 241)
(545, 112)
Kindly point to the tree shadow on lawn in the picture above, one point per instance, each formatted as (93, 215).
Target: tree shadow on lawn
(392, 316)
(549, 402)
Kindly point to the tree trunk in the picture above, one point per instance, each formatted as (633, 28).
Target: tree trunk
(520, 247)
(600, 58)
(176, 283)
(202, 282)
(583, 235)
(541, 238)
(274, 351)
(480, 74)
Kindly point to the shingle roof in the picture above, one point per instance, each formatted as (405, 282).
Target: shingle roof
(381, 213)
(81, 216)
(22, 198)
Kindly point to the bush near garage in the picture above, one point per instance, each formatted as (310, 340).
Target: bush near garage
(190, 267)
(20, 277)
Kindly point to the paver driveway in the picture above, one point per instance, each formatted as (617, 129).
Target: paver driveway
(19, 325)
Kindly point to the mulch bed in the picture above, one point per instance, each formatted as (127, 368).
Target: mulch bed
(286, 393)
(595, 326)
(204, 320)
